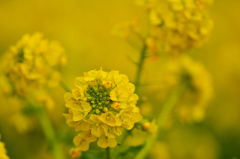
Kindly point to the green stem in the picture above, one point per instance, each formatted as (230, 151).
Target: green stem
(167, 108)
(65, 86)
(139, 69)
(49, 132)
(108, 153)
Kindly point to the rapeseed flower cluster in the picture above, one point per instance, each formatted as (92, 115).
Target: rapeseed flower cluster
(199, 89)
(30, 68)
(176, 25)
(100, 106)
(192, 106)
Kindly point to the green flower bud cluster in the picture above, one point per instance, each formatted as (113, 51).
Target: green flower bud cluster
(99, 99)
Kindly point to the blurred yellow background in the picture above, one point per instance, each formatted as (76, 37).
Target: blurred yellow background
(83, 27)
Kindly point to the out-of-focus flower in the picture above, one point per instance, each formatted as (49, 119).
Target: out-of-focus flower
(5, 86)
(3, 152)
(32, 65)
(198, 92)
(100, 106)
(193, 104)
(176, 25)
(75, 152)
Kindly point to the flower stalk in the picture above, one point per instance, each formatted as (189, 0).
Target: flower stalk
(65, 86)
(139, 69)
(49, 132)
(108, 153)
(166, 110)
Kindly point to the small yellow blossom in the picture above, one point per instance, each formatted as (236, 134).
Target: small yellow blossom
(3, 152)
(31, 67)
(105, 142)
(83, 140)
(100, 106)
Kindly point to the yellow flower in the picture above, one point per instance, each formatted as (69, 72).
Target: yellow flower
(105, 142)
(100, 106)
(196, 98)
(176, 25)
(199, 89)
(3, 152)
(83, 140)
(31, 67)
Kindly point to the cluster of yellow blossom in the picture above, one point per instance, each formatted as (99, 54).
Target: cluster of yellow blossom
(194, 100)
(176, 25)
(100, 106)
(31, 67)
(3, 152)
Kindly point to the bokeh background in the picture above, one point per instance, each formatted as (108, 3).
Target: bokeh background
(83, 27)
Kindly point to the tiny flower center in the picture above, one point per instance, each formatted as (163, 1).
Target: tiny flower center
(99, 98)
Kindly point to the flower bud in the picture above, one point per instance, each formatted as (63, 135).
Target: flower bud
(95, 89)
(105, 109)
(97, 111)
(146, 125)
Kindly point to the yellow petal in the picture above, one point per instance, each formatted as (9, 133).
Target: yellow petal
(84, 126)
(80, 82)
(112, 142)
(77, 115)
(78, 93)
(108, 118)
(86, 106)
(102, 142)
(95, 130)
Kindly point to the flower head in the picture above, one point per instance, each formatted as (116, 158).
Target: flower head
(176, 25)
(195, 99)
(198, 85)
(100, 106)
(31, 66)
